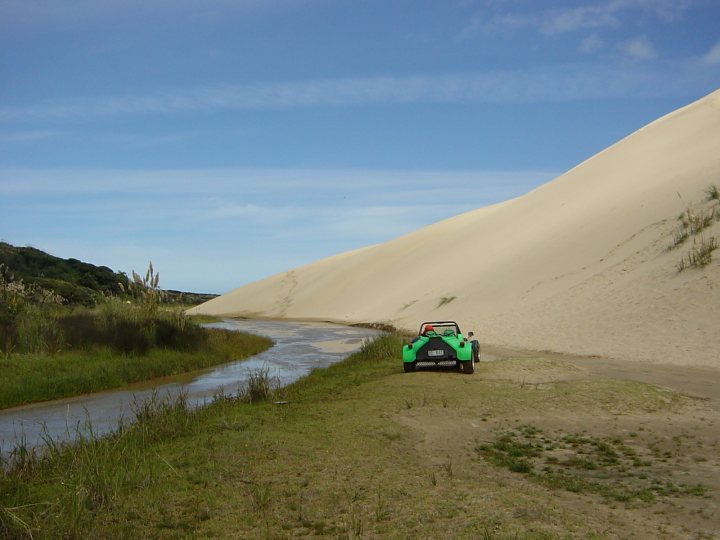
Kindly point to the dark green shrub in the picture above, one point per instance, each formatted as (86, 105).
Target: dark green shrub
(127, 337)
(169, 336)
(128, 331)
(82, 329)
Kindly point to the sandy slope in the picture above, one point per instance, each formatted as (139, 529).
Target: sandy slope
(578, 265)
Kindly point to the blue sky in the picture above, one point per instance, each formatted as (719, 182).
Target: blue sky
(230, 140)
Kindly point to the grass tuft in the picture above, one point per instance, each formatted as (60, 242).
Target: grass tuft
(259, 386)
(692, 222)
(378, 349)
(699, 255)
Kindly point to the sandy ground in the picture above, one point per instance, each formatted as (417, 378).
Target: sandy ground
(672, 430)
(581, 265)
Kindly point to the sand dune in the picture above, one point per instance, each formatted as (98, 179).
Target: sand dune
(579, 265)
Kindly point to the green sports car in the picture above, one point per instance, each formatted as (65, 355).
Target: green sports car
(441, 344)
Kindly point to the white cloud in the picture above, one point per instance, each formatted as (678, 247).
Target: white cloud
(33, 13)
(591, 44)
(603, 14)
(27, 136)
(542, 84)
(498, 23)
(234, 211)
(216, 185)
(712, 57)
(569, 20)
(669, 10)
(639, 48)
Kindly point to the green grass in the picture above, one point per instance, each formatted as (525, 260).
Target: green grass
(63, 490)
(203, 319)
(343, 458)
(69, 484)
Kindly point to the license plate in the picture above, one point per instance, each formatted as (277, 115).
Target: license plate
(436, 353)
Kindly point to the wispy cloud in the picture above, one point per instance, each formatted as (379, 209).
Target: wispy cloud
(22, 13)
(553, 83)
(712, 57)
(257, 200)
(491, 23)
(569, 20)
(609, 13)
(591, 44)
(499, 17)
(195, 219)
(27, 136)
(276, 184)
(639, 48)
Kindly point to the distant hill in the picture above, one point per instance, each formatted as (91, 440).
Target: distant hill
(76, 281)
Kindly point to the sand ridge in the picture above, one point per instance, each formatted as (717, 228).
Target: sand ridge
(579, 265)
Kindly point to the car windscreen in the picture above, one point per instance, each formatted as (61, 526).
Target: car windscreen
(445, 329)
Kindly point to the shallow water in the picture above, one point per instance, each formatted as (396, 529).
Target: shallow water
(299, 347)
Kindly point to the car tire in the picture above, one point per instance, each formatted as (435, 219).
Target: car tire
(468, 367)
(409, 367)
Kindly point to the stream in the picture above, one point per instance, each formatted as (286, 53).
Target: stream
(299, 347)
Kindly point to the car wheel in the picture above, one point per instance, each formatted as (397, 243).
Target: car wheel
(409, 367)
(468, 367)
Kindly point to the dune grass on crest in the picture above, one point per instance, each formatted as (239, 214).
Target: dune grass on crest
(691, 225)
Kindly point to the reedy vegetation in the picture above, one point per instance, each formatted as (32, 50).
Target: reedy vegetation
(52, 350)
(146, 289)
